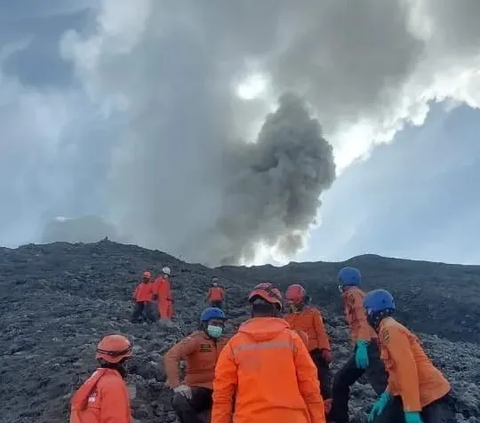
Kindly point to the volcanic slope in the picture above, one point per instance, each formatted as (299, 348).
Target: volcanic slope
(58, 300)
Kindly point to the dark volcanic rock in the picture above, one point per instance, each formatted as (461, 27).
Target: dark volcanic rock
(58, 300)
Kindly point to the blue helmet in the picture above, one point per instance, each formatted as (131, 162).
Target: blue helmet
(212, 313)
(378, 300)
(349, 276)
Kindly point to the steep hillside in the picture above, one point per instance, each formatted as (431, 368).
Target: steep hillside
(57, 301)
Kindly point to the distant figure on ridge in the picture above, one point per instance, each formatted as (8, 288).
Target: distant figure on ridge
(143, 298)
(163, 292)
(417, 391)
(103, 398)
(216, 294)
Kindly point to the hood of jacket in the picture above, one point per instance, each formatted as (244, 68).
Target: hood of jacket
(263, 328)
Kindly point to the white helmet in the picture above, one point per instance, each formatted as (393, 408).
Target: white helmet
(166, 270)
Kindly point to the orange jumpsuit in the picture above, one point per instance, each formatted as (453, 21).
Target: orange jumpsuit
(356, 317)
(200, 353)
(103, 398)
(165, 299)
(216, 294)
(411, 374)
(265, 375)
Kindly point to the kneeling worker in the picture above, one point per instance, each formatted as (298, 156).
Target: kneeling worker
(416, 390)
(200, 350)
(103, 398)
(265, 373)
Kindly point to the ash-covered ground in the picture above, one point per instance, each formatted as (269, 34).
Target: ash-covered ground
(58, 300)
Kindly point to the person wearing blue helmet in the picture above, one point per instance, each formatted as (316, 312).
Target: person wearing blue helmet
(366, 356)
(193, 396)
(417, 392)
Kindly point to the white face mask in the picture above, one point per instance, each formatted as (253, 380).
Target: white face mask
(214, 331)
(340, 289)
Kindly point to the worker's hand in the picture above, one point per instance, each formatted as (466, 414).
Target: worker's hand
(361, 355)
(379, 406)
(183, 390)
(327, 355)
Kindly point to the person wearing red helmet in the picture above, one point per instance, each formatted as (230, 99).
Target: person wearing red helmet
(303, 317)
(103, 397)
(265, 373)
(143, 299)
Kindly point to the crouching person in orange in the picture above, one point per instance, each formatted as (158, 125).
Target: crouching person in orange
(265, 373)
(200, 350)
(103, 398)
(417, 392)
(143, 299)
(303, 317)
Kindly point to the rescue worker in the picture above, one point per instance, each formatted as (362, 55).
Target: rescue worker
(216, 294)
(303, 317)
(366, 357)
(143, 299)
(103, 397)
(200, 350)
(164, 295)
(417, 390)
(264, 373)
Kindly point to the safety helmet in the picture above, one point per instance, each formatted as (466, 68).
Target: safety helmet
(349, 276)
(147, 275)
(267, 292)
(295, 293)
(378, 300)
(166, 270)
(113, 348)
(212, 313)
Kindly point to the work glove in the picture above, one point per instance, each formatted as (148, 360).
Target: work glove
(327, 355)
(361, 355)
(380, 405)
(413, 417)
(184, 390)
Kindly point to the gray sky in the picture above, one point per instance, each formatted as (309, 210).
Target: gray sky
(133, 111)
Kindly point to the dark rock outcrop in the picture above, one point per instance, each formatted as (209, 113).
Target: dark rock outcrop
(58, 300)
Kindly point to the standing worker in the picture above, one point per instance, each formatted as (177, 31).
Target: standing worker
(366, 357)
(302, 317)
(200, 350)
(103, 397)
(417, 391)
(164, 294)
(143, 298)
(216, 294)
(264, 373)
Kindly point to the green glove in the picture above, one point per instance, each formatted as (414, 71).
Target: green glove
(380, 405)
(413, 417)
(361, 355)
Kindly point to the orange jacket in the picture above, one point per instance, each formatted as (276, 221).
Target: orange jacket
(143, 292)
(216, 293)
(411, 374)
(162, 288)
(200, 353)
(356, 317)
(103, 398)
(310, 321)
(266, 375)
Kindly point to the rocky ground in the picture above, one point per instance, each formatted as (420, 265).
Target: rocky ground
(58, 300)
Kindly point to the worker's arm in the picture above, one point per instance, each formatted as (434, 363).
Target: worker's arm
(224, 386)
(406, 376)
(179, 351)
(114, 407)
(308, 383)
(322, 336)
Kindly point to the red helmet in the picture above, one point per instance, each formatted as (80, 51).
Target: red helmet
(296, 293)
(113, 348)
(267, 292)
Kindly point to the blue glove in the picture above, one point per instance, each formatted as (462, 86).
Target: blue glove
(379, 406)
(413, 417)
(361, 355)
